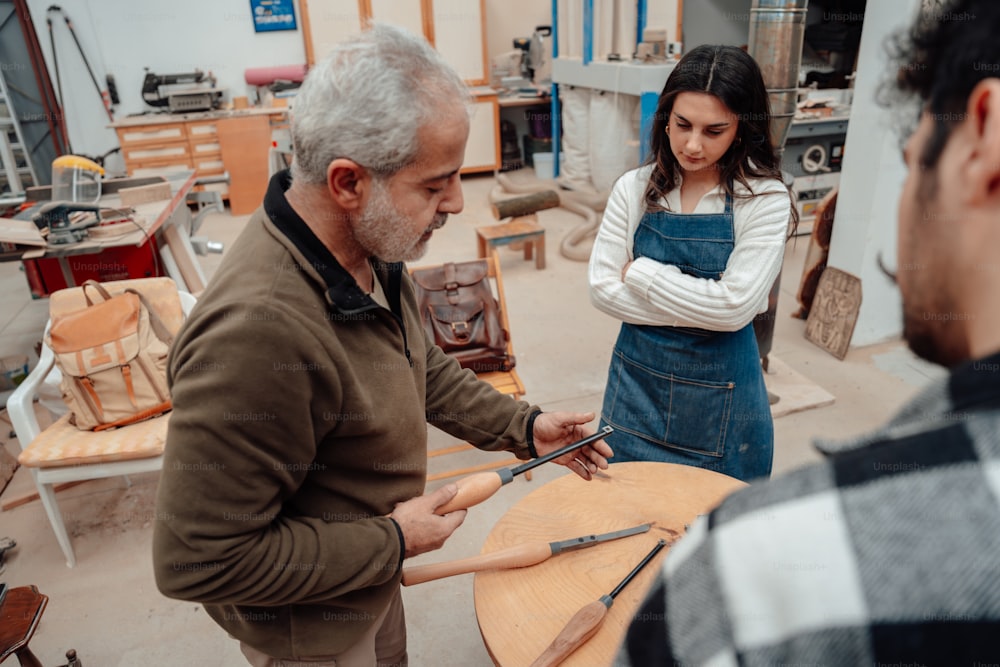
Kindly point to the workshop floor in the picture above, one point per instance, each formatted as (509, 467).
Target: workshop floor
(108, 608)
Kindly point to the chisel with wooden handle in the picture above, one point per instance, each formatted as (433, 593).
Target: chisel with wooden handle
(522, 555)
(474, 489)
(586, 622)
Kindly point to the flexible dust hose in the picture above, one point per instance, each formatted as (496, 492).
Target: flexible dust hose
(577, 244)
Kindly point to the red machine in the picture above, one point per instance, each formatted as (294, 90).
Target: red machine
(47, 275)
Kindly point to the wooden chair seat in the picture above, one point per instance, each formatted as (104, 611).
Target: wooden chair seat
(63, 444)
(506, 382)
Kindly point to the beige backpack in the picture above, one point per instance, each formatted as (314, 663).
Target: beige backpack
(113, 358)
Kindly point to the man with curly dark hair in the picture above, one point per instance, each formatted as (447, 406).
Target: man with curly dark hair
(888, 552)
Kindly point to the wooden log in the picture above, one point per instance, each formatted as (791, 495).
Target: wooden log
(518, 206)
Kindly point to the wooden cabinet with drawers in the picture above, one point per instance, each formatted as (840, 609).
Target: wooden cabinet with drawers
(204, 148)
(211, 143)
(154, 148)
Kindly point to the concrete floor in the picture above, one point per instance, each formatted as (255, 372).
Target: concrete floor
(108, 608)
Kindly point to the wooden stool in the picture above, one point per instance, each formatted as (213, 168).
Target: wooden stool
(524, 229)
(19, 615)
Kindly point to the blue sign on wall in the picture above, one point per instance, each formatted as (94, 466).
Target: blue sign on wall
(271, 15)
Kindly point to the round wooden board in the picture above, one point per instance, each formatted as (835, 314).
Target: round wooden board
(520, 611)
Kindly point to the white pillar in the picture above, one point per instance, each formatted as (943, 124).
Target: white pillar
(871, 179)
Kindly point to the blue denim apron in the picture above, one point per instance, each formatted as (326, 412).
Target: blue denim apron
(685, 395)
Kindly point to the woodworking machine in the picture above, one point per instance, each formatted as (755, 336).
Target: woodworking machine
(190, 91)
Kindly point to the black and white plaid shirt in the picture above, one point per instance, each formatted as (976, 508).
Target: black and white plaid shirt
(887, 553)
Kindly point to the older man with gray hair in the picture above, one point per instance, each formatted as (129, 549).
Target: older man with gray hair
(303, 380)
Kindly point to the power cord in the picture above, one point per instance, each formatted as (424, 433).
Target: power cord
(128, 215)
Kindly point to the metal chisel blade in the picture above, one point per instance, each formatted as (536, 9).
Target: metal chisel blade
(591, 540)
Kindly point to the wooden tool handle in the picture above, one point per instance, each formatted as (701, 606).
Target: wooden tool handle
(523, 555)
(580, 628)
(472, 490)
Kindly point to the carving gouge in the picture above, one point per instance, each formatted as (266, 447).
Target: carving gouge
(522, 555)
(587, 621)
(474, 489)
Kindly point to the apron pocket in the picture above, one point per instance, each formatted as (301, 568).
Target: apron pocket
(667, 409)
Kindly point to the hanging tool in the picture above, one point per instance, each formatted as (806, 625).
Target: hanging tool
(522, 555)
(474, 489)
(106, 98)
(586, 622)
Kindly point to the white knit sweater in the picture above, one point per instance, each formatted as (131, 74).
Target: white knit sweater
(660, 294)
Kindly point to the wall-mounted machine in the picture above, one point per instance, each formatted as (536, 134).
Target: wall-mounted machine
(813, 154)
(190, 91)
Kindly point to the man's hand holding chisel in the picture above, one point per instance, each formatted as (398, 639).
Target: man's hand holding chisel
(427, 521)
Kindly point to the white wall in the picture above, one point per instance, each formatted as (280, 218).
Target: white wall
(871, 179)
(659, 14)
(716, 22)
(507, 19)
(121, 37)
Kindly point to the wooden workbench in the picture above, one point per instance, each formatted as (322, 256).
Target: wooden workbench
(163, 229)
(520, 611)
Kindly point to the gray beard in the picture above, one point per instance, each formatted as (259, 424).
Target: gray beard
(381, 227)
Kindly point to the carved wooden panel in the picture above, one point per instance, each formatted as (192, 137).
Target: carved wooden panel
(834, 311)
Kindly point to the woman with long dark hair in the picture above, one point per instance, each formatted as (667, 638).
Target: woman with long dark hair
(686, 254)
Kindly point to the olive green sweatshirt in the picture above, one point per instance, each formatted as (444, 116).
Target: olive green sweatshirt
(300, 420)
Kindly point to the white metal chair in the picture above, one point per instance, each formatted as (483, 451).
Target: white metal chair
(62, 453)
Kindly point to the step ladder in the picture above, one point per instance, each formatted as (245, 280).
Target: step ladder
(14, 158)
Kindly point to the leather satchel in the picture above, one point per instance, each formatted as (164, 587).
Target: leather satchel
(461, 316)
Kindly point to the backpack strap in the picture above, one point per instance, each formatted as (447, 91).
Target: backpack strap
(451, 283)
(159, 328)
(100, 290)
